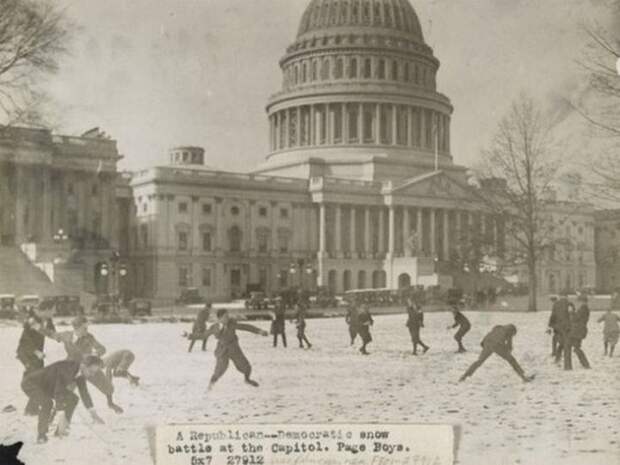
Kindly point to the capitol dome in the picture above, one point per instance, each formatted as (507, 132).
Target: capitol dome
(359, 83)
(392, 15)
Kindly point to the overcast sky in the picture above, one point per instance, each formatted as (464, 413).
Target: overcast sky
(159, 73)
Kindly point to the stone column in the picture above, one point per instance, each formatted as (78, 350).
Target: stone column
(360, 124)
(367, 244)
(378, 124)
(409, 126)
(419, 227)
(458, 232)
(391, 231)
(446, 234)
(433, 232)
(312, 126)
(287, 136)
(322, 230)
(345, 123)
(329, 140)
(422, 122)
(46, 223)
(394, 124)
(338, 231)
(319, 125)
(250, 226)
(298, 129)
(406, 231)
(274, 228)
(352, 235)
(381, 232)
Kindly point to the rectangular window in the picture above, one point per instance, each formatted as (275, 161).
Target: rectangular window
(367, 68)
(206, 208)
(183, 240)
(262, 243)
(369, 117)
(206, 242)
(283, 213)
(283, 244)
(183, 207)
(183, 276)
(353, 68)
(337, 115)
(206, 277)
(262, 212)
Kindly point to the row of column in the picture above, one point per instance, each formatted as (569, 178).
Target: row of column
(402, 231)
(359, 123)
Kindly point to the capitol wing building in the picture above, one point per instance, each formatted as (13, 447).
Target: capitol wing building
(359, 189)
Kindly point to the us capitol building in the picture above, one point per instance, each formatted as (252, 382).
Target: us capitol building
(359, 188)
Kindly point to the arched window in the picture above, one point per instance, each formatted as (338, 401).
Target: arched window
(315, 70)
(394, 70)
(295, 75)
(361, 279)
(406, 72)
(346, 280)
(234, 239)
(304, 72)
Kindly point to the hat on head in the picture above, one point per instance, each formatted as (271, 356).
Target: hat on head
(78, 321)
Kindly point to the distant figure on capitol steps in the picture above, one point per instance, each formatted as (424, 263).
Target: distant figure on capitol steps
(300, 323)
(552, 328)
(611, 331)
(352, 320)
(463, 324)
(227, 349)
(200, 327)
(278, 325)
(365, 321)
(415, 321)
(498, 341)
(578, 332)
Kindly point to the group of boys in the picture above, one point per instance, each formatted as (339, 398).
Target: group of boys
(50, 388)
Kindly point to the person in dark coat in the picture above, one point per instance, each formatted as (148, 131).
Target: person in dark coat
(498, 341)
(415, 321)
(300, 323)
(578, 332)
(200, 327)
(80, 344)
(351, 318)
(611, 331)
(51, 388)
(561, 312)
(460, 321)
(365, 321)
(30, 349)
(278, 325)
(556, 340)
(227, 349)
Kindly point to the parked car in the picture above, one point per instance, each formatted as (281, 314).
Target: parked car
(189, 296)
(257, 301)
(7, 306)
(27, 301)
(140, 307)
(67, 305)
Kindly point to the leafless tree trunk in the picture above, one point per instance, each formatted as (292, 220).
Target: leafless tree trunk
(516, 175)
(33, 34)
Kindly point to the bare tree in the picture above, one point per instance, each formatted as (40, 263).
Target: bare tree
(600, 103)
(33, 35)
(517, 174)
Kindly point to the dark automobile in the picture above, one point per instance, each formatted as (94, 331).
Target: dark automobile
(257, 301)
(140, 307)
(66, 305)
(190, 296)
(7, 306)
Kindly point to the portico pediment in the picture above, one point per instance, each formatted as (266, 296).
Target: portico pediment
(435, 185)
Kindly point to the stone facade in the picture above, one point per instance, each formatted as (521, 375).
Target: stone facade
(608, 250)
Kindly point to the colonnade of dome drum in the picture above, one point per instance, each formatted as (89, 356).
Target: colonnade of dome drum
(360, 123)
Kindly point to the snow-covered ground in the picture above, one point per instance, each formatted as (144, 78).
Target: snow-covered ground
(561, 418)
